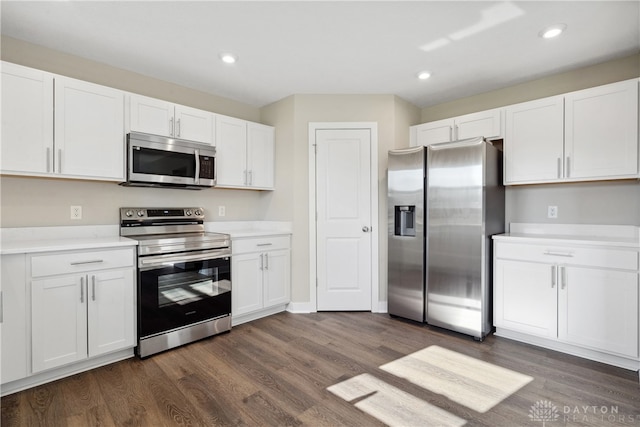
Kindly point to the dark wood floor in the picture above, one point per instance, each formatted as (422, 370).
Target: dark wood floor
(275, 372)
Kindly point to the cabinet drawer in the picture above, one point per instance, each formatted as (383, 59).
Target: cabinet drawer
(590, 257)
(260, 244)
(75, 262)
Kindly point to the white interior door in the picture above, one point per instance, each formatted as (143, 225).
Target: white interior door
(344, 220)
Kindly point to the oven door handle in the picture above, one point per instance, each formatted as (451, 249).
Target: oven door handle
(161, 260)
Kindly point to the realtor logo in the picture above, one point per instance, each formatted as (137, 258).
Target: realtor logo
(544, 411)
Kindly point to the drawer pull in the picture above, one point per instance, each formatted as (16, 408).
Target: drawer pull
(564, 254)
(264, 244)
(93, 261)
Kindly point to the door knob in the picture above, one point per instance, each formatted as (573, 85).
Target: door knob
(365, 229)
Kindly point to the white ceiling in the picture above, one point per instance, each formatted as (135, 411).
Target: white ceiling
(307, 47)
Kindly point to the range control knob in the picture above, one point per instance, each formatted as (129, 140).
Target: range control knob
(140, 213)
(129, 213)
(198, 212)
(187, 212)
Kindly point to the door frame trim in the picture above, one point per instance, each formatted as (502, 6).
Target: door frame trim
(375, 235)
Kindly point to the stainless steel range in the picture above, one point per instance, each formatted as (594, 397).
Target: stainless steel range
(184, 277)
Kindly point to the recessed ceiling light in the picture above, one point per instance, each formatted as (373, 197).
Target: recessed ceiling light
(552, 31)
(228, 58)
(423, 75)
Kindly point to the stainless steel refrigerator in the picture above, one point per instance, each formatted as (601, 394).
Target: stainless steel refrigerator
(445, 202)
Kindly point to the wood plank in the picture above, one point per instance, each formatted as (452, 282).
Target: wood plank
(277, 371)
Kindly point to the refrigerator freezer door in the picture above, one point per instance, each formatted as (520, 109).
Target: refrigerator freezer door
(406, 291)
(455, 239)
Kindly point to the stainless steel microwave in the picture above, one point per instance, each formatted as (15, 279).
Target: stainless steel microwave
(157, 161)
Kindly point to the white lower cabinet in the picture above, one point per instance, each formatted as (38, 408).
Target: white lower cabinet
(580, 297)
(74, 317)
(261, 271)
(15, 333)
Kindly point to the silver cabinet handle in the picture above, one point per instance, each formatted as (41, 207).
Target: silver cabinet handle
(92, 261)
(559, 167)
(48, 159)
(250, 177)
(264, 244)
(261, 261)
(93, 287)
(82, 289)
(564, 277)
(554, 276)
(266, 261)
(246, 181)
(456, 134)
(568, 172)
(59, 160)
(171, 126)
(178, 127)
(564, 254)
(450, 133)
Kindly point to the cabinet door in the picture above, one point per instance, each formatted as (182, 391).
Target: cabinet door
(27, 120)
(246, 282)
(14, 318)
(484, 123)
(599, 309)
(150, 115)
(260, 155)
(434, 132)
(231, 151)
(89, 130)
(533, 143)
(526, 297)
(111, 298)
(277, 273)
(194, 125)
(58, 321)
(602, 131)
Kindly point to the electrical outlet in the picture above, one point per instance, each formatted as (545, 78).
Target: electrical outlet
(552, 212)
(221, 211)
(76, 212)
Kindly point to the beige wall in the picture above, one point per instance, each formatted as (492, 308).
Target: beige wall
(30, 55)
(582, 78)
(606, 202)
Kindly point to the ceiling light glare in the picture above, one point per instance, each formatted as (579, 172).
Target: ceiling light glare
(423, 75)
(228, 58)
(552, 31)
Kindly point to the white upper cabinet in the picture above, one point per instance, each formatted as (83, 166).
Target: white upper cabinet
(88, 120)
(244, 154)
(27, 120)
(534, 141)
(89, 126)
(484, 123)
(158, 117)
(590, 134)
(260, 155)
(601, 131)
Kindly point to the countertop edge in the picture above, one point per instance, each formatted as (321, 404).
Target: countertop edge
(568, 240)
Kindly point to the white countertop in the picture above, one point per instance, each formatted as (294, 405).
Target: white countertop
(44, 239)
(585, 234)
(240, 229)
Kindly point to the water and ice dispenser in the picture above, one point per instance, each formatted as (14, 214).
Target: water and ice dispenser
(405, 224)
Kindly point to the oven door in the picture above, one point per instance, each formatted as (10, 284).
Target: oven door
(177, 290)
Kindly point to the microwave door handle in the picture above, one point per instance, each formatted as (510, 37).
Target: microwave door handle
(197, 154)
